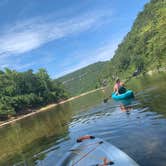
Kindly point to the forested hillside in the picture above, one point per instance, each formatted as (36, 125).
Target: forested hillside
(20, 91)
(143, 49)
(90, 77)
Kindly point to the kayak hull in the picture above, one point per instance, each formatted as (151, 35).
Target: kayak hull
(128, 94)
(91, 152)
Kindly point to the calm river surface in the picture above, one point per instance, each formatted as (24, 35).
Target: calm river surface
(138, 127)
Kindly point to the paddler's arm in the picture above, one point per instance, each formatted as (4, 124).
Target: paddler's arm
(116, 90)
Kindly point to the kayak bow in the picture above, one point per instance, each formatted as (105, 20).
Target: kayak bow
(91, 151)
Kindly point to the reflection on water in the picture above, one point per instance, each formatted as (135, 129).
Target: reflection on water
(137, 126)
(40, 131)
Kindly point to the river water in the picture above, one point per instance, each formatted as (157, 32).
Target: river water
(136, 126)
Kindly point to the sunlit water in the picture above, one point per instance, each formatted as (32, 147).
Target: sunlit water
(137, 126)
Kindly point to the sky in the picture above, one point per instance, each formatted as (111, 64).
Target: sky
(62, 35)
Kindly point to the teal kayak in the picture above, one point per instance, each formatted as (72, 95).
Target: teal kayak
(126, 95)
(95, 152)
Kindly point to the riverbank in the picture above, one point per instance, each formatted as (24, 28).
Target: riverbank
(46, 108)
(151, 72)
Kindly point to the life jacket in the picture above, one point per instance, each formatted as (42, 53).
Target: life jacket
(121, 90)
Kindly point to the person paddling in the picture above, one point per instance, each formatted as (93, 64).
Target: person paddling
(119, 87)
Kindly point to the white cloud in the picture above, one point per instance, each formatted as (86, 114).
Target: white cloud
(103, 53)
(4, 65)
(18, 42)
(17, 66)
(23, 66)
(31, 34)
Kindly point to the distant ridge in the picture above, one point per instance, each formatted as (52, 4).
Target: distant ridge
(85, 79)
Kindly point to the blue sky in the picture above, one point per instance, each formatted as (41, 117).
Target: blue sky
(62, 35)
